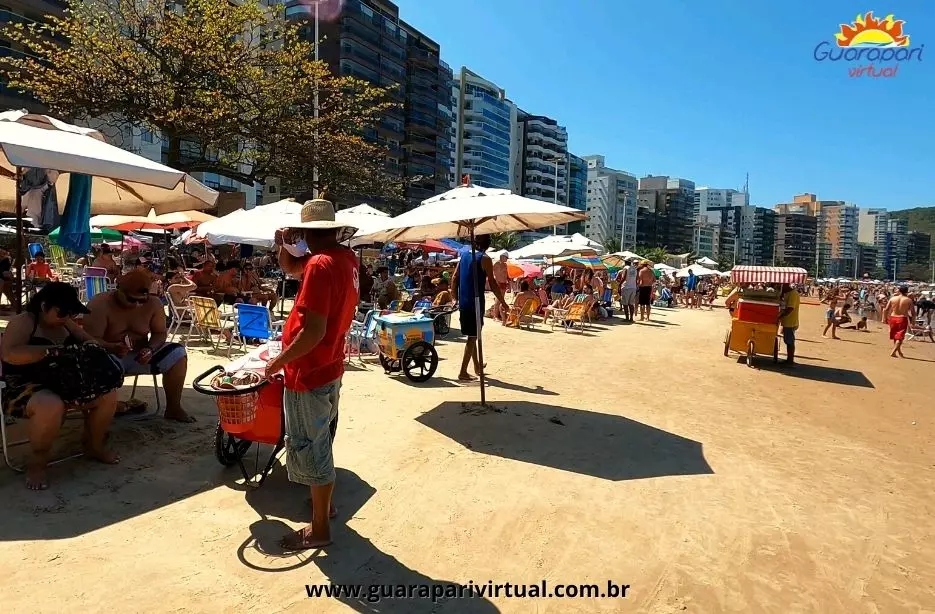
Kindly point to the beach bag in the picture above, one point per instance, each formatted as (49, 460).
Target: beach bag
(79, 374)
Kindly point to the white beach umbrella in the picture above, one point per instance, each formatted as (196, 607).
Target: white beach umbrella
(467, 211)
(255, 226)
(706, 262)
(628, 255)
(365, 208)
(557, 246)
(699, 271)
(123, 182)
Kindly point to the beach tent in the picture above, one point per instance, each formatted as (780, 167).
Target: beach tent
(555, 246)
(467, 211)
(664, 268)
(705, 261)
(699, 271)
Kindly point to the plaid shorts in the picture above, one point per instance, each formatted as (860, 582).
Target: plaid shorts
(309, 415)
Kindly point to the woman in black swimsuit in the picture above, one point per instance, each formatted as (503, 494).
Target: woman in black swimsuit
(29, 337)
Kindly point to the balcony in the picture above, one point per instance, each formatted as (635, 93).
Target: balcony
(423, 57)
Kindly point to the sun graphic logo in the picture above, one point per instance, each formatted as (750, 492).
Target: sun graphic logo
(881, 42)
(866, 31)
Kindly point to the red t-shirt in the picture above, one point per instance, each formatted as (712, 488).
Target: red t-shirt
(330, 288)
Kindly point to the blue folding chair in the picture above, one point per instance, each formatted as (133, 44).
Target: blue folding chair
(252, 322)
(94, 285)
(34, 248)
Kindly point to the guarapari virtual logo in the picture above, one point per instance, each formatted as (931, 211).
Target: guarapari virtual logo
(881, 43)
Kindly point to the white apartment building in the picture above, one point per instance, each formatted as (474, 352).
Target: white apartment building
(709, 202)
(706, 240)
(871, 226)
(541, 166)
(611, 203)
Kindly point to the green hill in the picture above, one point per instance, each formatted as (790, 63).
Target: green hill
(920, 218)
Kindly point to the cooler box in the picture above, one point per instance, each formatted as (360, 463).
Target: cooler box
(760, 312)
(397, 331)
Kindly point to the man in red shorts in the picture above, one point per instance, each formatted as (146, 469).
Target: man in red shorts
(313, 362)
(898, 313)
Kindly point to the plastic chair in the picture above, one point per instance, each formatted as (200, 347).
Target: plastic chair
(207, 319)
(360, 334)
(181, 314)
(252, 322)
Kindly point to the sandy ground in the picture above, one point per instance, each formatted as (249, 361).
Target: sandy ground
(635, 454)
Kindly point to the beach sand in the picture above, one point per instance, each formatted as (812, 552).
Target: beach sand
(636, 454)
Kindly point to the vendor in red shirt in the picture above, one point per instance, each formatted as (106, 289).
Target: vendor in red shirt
(313, 359)
(39, 270)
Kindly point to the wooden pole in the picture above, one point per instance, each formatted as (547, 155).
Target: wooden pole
(18, 280)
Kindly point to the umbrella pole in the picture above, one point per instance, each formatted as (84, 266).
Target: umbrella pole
(18, 280)
(479, 317)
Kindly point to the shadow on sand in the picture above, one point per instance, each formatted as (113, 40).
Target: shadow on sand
(818, 373)
(352, 560)
(600, 445)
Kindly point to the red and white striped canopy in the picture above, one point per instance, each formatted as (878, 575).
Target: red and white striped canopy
(767, 275)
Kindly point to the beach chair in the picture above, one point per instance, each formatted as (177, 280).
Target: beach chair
(93, 284)
(252, 322)
(66, 270)
(207, 320)
(34, 248)
(919, 330)
(576, 316)
(181, 314)
(362, 337)
(520, 314)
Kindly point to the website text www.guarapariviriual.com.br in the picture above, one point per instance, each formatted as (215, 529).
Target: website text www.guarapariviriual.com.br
(374, 593)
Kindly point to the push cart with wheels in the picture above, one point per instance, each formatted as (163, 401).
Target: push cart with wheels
(755, 320)
(406, 343)
(246, 416)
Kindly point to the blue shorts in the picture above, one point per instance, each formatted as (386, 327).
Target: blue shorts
(309, 418)
(788, 335)
(161, 361)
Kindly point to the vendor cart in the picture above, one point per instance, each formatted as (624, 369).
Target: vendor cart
(755, 319)
(406, 343)
(247, 416)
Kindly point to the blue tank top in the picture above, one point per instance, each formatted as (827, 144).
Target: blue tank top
(470, 272)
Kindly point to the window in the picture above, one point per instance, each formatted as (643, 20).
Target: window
(272, 189)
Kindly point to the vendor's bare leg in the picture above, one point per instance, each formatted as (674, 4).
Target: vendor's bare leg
(470, 353)
(173, 381)
(45, 411)
(97, 424)
(318, 533)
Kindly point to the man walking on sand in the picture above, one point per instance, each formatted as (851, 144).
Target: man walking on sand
(627, 279)
(313, 361)
(645, 279)
(898, 313)
(471, 273)
(789, 319)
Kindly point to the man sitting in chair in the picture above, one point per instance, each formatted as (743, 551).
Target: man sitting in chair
(132, 324)
(39, 271)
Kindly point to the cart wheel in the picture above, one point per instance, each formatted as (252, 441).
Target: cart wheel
(389, 365)
(727, 344)
(420, 361)
(750, 348)
(228, 449)
(776, 350)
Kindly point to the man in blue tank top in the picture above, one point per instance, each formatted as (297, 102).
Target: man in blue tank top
(471, 273)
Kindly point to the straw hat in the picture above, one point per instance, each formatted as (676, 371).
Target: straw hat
(319, 213)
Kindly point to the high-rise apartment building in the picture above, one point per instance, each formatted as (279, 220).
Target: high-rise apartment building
(837, 233)
(895, 247)
(919, 247)
(665, 212)
(611, 198)
(796, 235)
(802, 204)
(757, 236)
(541, 171)
(369, 41)
(709, 202)
(577, 190)
(484, 132)
(866, 259)
(706, 240)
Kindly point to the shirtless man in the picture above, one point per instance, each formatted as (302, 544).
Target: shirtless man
(132, 324)
(645, 280)
(205, 279)
(898, 313)
(500, 273)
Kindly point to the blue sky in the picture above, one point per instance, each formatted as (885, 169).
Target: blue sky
(710, 89)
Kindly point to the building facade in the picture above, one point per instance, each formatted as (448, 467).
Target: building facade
(895, 246)
(577, 190)
(706, 240)
(837, 236)
(484, 132)
(665, 212)
(866, 259)
(369, 41)
(541, 171)
(919, 247)
(611, 198)
(24, 12)
(757, 236)
(796, 235)
(709, 202)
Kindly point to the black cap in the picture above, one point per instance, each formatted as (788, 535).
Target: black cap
(61, 295)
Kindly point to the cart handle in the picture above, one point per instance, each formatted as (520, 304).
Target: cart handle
(197, 385)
